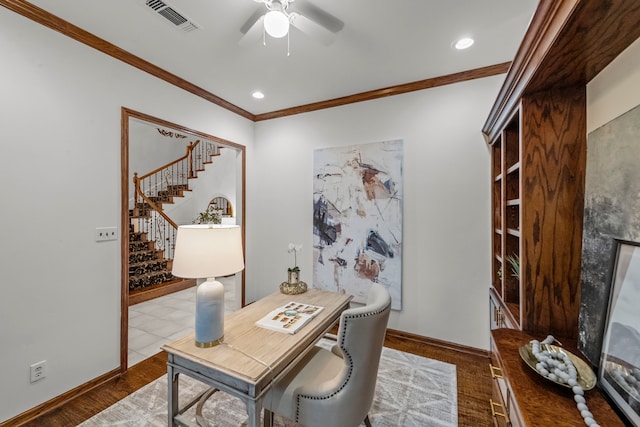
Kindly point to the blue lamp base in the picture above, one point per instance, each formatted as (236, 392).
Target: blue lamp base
(209, 313)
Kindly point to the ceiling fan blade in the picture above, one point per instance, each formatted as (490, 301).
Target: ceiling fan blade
(321, 16)
(252, 29)
(312, 28)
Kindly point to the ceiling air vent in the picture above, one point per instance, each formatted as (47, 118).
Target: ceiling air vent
(172, 15)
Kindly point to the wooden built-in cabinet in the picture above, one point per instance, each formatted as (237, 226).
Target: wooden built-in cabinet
(536, 132)
(539, 163)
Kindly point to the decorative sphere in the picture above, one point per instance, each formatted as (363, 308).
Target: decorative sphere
(586, 414)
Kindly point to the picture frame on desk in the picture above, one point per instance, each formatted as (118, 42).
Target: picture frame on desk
(619, 369)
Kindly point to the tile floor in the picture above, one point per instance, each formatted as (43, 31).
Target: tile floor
(162, 320)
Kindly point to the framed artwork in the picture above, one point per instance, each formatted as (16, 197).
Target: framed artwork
(619, 369)
(611, 210)
(357, 219)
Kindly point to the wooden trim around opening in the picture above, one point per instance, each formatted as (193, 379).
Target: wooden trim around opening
(155, 291)
(126, 114)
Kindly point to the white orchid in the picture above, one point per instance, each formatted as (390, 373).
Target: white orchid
(293, 247)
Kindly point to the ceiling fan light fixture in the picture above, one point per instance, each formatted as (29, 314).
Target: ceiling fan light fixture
(276, 24)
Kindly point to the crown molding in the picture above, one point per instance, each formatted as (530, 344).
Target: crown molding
(36, 14)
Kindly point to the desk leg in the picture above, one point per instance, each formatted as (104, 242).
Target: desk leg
(172, 395)
(254, 407)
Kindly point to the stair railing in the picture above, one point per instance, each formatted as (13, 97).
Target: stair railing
(160, 186)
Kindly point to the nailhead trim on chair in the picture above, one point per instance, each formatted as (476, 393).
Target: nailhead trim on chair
(350, 360)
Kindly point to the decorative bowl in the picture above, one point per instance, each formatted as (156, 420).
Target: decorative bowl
(586, 377)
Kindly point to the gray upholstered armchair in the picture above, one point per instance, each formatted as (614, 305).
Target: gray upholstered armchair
(336, 388)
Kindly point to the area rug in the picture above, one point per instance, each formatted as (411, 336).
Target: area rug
(410, 391)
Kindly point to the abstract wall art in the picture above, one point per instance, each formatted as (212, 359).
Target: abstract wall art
(612, 211)
(619, 371)
(357, 219)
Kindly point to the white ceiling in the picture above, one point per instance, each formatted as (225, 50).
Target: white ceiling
(382, 43)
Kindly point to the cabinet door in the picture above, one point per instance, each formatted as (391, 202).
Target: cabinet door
(500, 393)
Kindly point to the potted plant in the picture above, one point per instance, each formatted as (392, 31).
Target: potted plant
(210, 216)
(514, 260)
(293, 285)
(294, 272)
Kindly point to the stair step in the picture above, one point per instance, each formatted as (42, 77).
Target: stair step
(143, 256)
(144, 267)
(161, 199)
(149, 279)
(138, 237)
(141, 209)
(140, 245)
(178, 187)
(171, 193)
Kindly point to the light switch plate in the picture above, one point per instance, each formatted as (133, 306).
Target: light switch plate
(104, 234)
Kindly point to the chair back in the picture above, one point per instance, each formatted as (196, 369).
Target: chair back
(360, 337)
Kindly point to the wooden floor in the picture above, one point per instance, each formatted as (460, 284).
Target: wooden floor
(474, 386)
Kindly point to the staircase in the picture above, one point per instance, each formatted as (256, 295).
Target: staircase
(147, 265)
(151, 232)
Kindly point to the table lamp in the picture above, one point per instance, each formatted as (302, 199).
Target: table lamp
(208, 251)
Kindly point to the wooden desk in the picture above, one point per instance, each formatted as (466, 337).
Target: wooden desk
(250, 358)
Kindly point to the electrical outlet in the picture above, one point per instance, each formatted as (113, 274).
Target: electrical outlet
(106, 233)
(38, 371)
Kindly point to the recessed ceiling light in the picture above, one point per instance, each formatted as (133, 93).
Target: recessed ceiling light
(463, 43)
(257, 94)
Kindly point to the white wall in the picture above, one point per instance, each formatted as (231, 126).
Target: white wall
(616, 89)
(60, 111)
(446, 206)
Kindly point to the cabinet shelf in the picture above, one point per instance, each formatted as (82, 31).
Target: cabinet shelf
(514, 168)
(513, 232)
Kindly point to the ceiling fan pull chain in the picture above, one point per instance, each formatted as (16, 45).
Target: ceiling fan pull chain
(288, 36)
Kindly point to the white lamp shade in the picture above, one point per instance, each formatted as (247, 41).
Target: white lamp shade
(207, 250)
(276, 24)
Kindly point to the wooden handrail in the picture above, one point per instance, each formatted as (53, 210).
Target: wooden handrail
(151, 203)
(190, 148)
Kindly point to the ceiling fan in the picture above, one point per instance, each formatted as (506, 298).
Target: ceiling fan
(278, 15)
